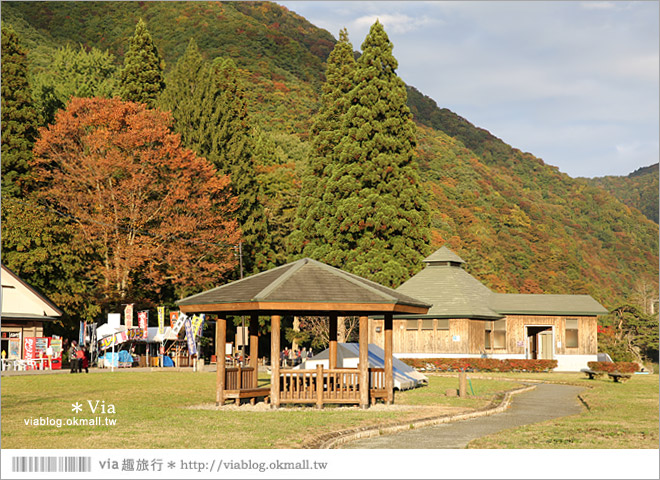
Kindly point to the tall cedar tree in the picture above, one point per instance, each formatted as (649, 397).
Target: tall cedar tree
(19, 117)
(380, 226)
(312, 233)
(141, 79)
(156, 212)
(209, 107)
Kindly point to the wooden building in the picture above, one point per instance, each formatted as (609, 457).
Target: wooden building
(24, 311)
(305, 287)
(467, 319)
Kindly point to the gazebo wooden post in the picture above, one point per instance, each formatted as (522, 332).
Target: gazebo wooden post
(275, 361)
(332, 363)
(363, 366)
(254, 348)
(220, 342)
(389, 374)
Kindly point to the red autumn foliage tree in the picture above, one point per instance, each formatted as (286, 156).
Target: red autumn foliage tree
(156, 213)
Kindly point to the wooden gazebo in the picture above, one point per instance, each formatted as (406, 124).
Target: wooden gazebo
(305, 287)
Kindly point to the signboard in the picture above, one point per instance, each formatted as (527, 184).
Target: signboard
(456, 338)
(56, 345)
(242, 336)
(143, 322)
(14, 348)
(121, 337)
(161, 320)
(128, 315)
(114, 320)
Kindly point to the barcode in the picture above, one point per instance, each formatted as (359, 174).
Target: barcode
(51, 464)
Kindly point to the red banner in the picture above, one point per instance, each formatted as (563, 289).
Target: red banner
(143, 323)
(173, 318)
(30, 349)
(128, 315)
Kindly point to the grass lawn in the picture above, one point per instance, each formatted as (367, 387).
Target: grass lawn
(176, 410)
(621, 415)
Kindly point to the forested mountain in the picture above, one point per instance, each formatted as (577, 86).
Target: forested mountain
(638, 189)
(521, 225)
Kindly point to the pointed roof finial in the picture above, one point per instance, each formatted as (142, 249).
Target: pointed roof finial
(443, 256)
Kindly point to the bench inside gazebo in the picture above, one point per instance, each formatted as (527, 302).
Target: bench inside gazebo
(303, 288)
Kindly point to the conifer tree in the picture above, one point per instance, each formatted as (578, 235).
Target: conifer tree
(380, 223)
(209, 108)
(187, 87)
(19, 117)
(310, 237)
(141, 78)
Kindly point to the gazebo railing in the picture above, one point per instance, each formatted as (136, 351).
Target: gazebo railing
(239, 378)
(337, 385)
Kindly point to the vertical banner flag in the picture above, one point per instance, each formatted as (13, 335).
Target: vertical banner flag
(81, 335)
(143, 323)
(192, 347)
(161, 320)
(179, 323)
(194, 324)
(173, 317)
(128, 315)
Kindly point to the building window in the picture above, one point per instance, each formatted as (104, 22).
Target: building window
(411, 324)
(571, 333)
(443, 324)
(495, 334)
(499, 334)
(427, 324)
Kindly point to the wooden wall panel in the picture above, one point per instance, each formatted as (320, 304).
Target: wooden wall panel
(471, 333)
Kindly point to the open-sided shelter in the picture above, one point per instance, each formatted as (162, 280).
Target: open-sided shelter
(305, 287)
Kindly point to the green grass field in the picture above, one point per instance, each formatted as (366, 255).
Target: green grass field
(176, 410)
(621, 415)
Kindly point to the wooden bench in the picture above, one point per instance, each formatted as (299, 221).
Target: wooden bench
(592, 374)
(619, 377)
(251, 393)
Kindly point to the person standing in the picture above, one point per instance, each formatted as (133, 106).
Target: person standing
(85, 360)
(80, 355)
(73, 356)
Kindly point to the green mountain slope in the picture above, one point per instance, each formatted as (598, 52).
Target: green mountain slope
(522, 225)
(638, 190)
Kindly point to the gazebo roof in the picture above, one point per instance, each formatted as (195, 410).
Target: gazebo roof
(303, 287)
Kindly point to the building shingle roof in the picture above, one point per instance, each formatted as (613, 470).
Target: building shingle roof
(307, 282)
(454, 293)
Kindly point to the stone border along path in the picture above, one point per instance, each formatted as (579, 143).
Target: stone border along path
(537, 403)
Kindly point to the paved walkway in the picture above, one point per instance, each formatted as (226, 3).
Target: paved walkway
(545, 402)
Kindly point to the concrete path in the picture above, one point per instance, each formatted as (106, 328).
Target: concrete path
(545, 402)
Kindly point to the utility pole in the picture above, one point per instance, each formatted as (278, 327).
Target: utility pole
(240, 263)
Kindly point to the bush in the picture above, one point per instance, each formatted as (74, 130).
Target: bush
(481, 364)
(609, 367)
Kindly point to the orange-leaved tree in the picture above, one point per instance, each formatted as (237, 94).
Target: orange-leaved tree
(157, 214)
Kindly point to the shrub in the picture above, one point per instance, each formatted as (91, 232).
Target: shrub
(481, 364)
(609, 367)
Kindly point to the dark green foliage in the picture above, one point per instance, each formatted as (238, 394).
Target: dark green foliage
(43, 249)
(141, 79)
(210, 113)
(313, 214)
(19, 117)
(379, 228)
(74, 73)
